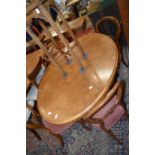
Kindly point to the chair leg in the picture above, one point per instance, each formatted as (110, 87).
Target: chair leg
(124, 62)
(60, 139)
(37, 126)
(58, 136)
(111, 134)
(35, 134)
(126, 116)
(83, 124)
(121, 56)
(126, 111)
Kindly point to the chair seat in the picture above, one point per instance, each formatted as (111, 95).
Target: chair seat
(57, 129)
(112, 118)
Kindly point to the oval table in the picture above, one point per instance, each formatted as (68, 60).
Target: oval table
(67, 100)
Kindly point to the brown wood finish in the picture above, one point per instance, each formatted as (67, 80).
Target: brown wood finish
(32, 44)
(47, 16)
(83, 124)
(62, 101)
(61, 36)
(32, 126)
(117, 89)
(110, 133)
(116, 22)
(124, 11)
(45, 50)
(35, 134)
(32, 6)
(111, 19)
(47, 33)
(32, 60)
(36, 3)
(56, 44)
(104, 100)
(71, 33)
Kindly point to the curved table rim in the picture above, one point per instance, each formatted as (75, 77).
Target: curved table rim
(100, 96)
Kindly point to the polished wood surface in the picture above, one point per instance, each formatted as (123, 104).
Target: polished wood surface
(32, 60)
(67, 100)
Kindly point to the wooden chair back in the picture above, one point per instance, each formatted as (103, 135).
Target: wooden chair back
(37, 123)
(43, 61)
(117, 24)
(113, 20)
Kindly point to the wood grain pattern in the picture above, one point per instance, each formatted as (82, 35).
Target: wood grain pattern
(62, 101)
(32, 60)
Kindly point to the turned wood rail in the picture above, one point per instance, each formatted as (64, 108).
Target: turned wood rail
(45, 13)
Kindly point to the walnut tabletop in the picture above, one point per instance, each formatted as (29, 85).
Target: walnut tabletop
(67, 100)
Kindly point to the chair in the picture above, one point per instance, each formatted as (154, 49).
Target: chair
(33, 20)
(39, 63)
(38, 123)
(31, 45)
(111, 112)
(35, 70)
(118, 31)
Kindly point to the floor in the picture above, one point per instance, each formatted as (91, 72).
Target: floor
(79, 141)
